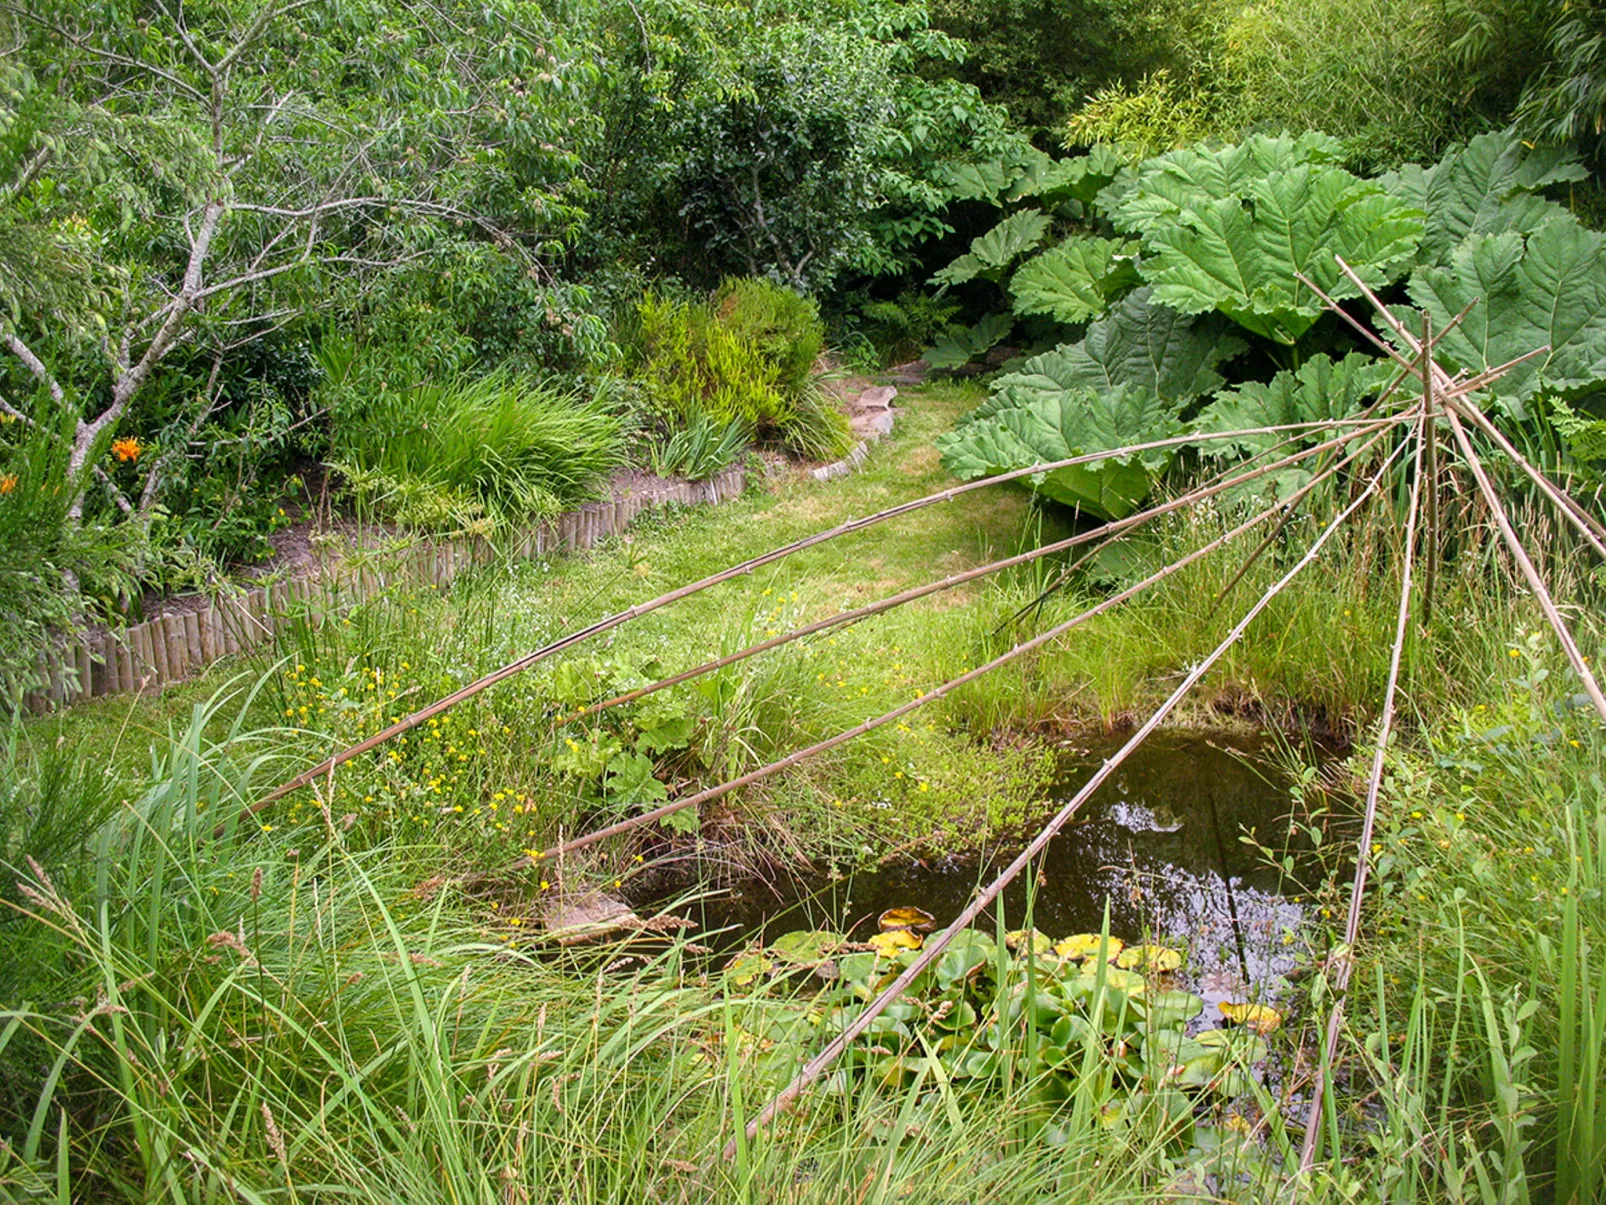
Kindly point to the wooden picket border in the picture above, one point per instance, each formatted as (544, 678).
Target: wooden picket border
(171, 648)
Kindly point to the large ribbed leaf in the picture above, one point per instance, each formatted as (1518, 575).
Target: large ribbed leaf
(1240, 256)
(961, 345)
(1545, 288)
(1143, 346)
(1485, 187)
(1183, 179)
(1075, 280)
(994, 251)
(976, 181)
(1056, 181)
(1064, 423)
(1320, 389)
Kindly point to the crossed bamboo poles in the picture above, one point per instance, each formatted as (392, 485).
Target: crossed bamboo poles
(1443, 398)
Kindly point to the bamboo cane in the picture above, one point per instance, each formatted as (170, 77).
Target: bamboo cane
(934, 947)
(409, 722)
(1102, 535)
(870, 725)
(1374, 783)
(1535, 582)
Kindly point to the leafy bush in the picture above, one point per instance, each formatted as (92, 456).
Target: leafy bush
(1158, 113)
(499, 448)
(1210, 235)
(782, 324)
(746, 359)
(899, 330)
(52, 561)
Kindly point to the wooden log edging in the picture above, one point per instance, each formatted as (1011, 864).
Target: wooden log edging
(171, 648)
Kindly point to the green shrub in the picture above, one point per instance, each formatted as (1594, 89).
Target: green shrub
(900, 330)
(54, 567)
(497, 449)
(748, 359)
(784, 325)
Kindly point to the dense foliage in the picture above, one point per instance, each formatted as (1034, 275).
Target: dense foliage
(1177, 250)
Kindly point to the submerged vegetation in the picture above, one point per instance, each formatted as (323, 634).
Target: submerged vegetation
(324, 279)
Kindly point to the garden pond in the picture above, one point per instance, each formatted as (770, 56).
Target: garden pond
(1162, 844)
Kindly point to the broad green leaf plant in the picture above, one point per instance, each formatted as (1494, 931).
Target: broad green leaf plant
(1205, 256)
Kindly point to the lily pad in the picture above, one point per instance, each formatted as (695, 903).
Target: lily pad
(907, 917)
(1021, 941)
(806, 947)
(1172, 1009)
(965, 953)
(745, 968)
(888, 944)
(1261, 1018)
(1153, 959)
(1086, 945)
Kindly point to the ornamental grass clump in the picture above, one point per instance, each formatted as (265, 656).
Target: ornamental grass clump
(502, 448)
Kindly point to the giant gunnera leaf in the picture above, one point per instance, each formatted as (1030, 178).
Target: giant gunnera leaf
(1059, 424)
(1240, 255)
(1319, 390)
(994, 251)
(960, 345)
(1137, 344)
(1485, 187)
(1075, 280)
(1080, 178)
(1184, 179)
(1545, 288)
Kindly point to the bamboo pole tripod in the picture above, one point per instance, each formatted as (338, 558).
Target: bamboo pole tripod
(1394, 431)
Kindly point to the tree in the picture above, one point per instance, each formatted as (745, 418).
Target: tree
(194, 175)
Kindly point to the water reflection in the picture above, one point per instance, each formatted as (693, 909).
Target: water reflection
(1159, 843)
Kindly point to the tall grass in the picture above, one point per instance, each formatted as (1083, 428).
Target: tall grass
(498, 447)
(278, 1016)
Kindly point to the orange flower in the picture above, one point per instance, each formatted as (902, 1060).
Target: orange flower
(8, 483)
(127, 448)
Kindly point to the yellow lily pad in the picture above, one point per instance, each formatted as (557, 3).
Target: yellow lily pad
(915, 919)
(1021, 940)
(745, 968)
(1116, 980)
(1261, 1018)
(1149, 958)
(889, 943)
(1087, 945)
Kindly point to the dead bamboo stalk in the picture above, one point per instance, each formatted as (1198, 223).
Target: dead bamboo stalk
(933, 948)
(1581, 520)
(1535, 582)
(1427, 462)
(421, 716)
(1374, 782)
(1102, 535)
(1586, 524)
(924, 699)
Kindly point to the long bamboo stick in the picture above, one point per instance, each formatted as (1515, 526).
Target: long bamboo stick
(1535, 582)
(1102, 535)
(1428, 462)
(1573, 511)
(407, 723)
(1591, 529)
(934, 947)
(1374, 783)
(870, 725)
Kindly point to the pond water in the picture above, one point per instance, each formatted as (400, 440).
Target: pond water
(1159, 844)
